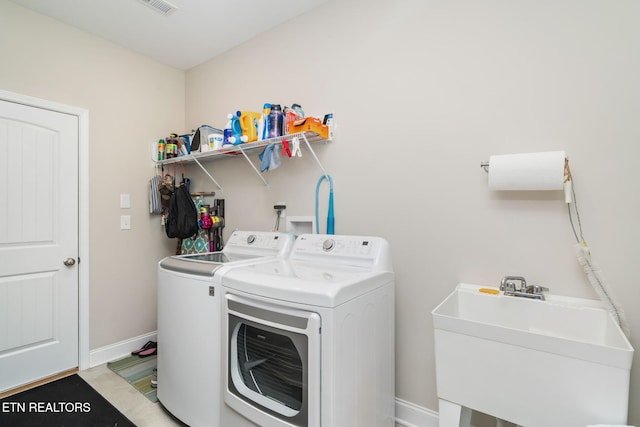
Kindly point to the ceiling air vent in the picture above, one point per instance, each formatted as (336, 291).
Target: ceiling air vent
(160, 6)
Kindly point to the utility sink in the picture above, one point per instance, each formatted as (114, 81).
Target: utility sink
(559, 362)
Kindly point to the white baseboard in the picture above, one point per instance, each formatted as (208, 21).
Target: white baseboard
(119, 350)
(412, 415)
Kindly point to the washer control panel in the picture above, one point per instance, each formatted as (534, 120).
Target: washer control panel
(336, 246)
(255, 240)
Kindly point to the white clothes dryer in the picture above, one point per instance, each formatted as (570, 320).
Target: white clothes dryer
(189, 323)
(309, 341)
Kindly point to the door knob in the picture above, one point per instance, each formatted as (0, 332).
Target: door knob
(69, 262)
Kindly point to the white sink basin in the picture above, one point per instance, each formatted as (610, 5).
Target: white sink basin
(563, 361)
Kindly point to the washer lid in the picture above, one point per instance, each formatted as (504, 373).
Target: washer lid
(305, 282)
(201, 264)
(217, 257)
(242, 247)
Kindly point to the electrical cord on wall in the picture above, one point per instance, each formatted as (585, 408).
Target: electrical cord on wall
(593, 273)
(278, 214)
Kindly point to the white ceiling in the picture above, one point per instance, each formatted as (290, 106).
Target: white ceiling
(196, 32)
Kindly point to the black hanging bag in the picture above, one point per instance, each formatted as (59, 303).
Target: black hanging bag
(182, 216)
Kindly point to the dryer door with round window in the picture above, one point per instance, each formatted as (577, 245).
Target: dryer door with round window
(273, 361)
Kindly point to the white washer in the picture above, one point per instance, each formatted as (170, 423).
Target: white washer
(309, 341)
(189, 323)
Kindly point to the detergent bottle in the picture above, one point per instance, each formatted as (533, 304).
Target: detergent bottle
(249, 124)
(227, 133)
(291, 115)
(236, 131)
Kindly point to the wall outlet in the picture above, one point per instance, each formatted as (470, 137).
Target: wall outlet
(280, 207)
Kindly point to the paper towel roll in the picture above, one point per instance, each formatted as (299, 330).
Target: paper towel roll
(529, 171)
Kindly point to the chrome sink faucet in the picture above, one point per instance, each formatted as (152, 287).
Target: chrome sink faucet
(508, 286)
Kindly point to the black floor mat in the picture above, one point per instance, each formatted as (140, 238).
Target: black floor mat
(67, 402)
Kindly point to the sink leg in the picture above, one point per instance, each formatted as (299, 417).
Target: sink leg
(503, 423)
(453, 415)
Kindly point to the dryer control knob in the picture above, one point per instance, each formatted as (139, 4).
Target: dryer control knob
(251, 239)
(328, 244)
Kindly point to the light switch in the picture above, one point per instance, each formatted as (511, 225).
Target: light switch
(125, 201)
(125, 222)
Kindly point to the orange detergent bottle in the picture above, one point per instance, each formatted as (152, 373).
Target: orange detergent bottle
(249, 124)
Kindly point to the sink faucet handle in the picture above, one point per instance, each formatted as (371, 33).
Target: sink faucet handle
(507, 283)
(539, 289)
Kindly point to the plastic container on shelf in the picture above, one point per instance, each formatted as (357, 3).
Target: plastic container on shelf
(249, 124)
(276, 121)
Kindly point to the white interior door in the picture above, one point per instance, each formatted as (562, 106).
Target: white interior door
(38, 233)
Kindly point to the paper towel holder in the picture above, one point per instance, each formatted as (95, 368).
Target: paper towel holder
(567, 179)
(567, 171)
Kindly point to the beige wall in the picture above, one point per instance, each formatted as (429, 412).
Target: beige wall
(422, 93)
(131, 100)
(425, 91)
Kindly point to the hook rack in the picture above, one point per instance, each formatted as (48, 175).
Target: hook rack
(485, 166)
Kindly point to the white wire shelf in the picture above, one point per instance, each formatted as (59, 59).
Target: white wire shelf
(233, 151)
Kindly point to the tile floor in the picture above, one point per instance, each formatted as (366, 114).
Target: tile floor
(140, 410)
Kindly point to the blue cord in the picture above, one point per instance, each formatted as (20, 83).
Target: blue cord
(330, 218)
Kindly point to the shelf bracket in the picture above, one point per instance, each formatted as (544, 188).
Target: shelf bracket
(253, 166)
(208, 174)
(313, 153)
